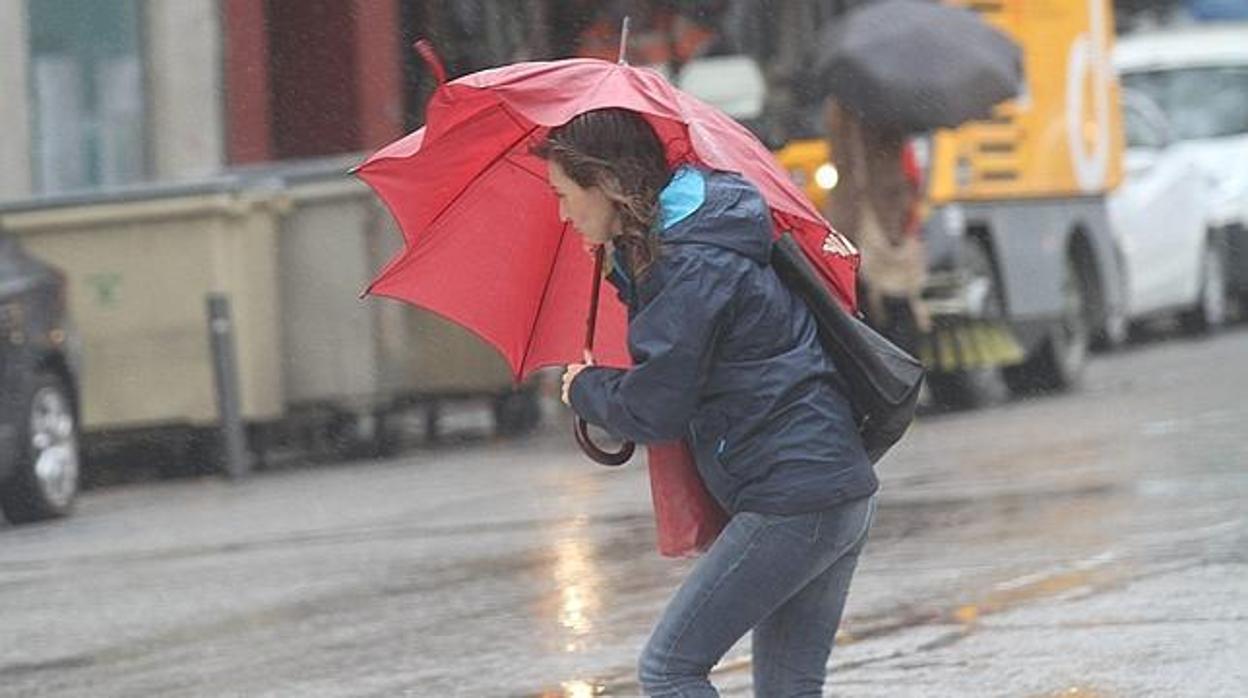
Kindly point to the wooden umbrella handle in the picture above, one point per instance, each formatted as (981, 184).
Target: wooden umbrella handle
(580, 428)
(596, 454)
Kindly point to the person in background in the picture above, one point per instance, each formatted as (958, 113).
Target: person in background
(875, 204)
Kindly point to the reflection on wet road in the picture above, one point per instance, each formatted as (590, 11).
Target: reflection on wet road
(1084, 545)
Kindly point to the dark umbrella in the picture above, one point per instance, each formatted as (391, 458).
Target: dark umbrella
(913, 66)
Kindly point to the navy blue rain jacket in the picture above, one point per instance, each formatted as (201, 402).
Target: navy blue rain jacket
(727, 357)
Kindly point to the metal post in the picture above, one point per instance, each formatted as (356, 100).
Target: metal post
(225, 374)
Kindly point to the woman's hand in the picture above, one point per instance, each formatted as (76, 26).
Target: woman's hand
(570, 373)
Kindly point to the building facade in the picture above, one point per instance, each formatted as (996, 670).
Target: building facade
(85, 104)
(105, 93)
(108, 93)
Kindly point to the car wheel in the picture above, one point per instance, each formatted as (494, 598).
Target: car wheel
(1059, 363)
(1210, 309)
(47, 477)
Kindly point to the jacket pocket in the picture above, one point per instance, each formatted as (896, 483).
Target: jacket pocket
(706, 433)
(708, 440)
(714, 440)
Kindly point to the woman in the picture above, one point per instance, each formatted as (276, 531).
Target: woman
(727, 358)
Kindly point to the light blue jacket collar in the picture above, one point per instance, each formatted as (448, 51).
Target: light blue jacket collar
(682, 196)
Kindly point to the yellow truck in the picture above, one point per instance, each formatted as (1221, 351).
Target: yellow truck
(1023, 273)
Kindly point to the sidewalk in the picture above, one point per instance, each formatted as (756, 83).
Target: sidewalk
(1182, 632)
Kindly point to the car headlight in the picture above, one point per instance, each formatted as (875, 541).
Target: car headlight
(827, 176)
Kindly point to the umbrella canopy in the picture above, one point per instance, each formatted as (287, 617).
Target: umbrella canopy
(484, 246)
(913, 66)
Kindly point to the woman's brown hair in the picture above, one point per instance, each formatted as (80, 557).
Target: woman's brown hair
(617, 151)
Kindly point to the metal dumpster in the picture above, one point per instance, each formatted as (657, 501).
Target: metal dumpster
(370, 355)
(292, 246)
(140, 263)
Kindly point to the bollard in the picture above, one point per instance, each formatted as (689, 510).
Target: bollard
(225, 374)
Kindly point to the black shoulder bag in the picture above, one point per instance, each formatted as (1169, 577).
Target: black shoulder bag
(882, 379)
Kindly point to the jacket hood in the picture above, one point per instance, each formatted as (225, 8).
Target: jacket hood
(732, 214)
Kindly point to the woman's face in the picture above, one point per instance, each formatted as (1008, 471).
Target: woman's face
(588, 208)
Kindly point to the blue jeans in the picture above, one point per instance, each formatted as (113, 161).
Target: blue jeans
(784, 577)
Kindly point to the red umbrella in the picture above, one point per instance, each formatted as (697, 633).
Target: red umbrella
(484, 244)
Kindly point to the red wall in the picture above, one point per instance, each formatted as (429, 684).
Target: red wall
(379, 48)
(306, 78)
(246, 50)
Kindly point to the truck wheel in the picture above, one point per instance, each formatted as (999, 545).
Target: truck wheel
(1059, 362)
(47, 477)
(1115, 329)
(962, 390)
(1210, 310)
(1114, 333)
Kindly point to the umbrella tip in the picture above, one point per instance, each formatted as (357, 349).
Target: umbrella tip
(623, 60)
(424, 47)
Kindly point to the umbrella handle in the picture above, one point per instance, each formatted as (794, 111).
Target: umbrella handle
(598, 455)
(579, 426)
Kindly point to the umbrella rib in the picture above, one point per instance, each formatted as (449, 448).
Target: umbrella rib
(503, 156)
(550, 275)
(522, 166)
(589, 94)
(455, 199)
(554, 259)
(563, 231)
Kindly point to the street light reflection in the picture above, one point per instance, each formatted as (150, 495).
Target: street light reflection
(577, 578)
(579, 689)
(574, 689)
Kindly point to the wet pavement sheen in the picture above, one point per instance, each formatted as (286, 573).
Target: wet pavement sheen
(1089, 545)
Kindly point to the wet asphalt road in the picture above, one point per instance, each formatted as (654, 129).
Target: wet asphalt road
(1094, 544)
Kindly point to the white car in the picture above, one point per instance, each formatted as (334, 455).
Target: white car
(1159, 218)
(1197, 77)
